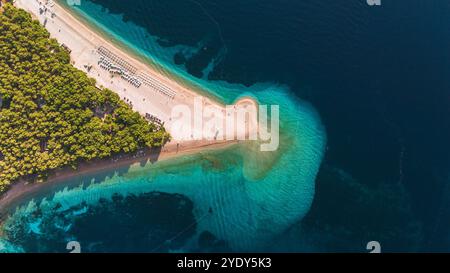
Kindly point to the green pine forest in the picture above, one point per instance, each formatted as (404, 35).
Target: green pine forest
(51, 114)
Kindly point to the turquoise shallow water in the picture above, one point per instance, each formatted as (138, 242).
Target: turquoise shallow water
(243, 197)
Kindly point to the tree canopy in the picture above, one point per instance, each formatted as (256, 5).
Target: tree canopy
(52, 114)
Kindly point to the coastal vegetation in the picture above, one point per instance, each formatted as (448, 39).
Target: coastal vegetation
(51, 114)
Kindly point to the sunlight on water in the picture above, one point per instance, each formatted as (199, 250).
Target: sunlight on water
(240, 195)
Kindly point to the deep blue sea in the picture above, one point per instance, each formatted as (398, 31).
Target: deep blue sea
(366, 94)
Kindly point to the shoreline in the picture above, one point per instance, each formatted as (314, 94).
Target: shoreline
(23, 189)
(82, 41)
(141, 57)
